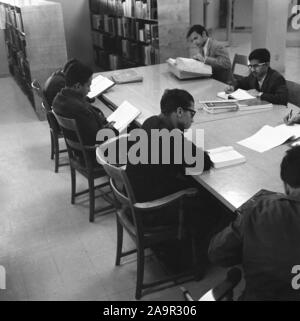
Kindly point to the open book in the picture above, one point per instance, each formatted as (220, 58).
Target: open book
(185, 68)
(239, 94)
(99, 85)
(269, 137)
(123, 116)
(225, 156)
(126, 76)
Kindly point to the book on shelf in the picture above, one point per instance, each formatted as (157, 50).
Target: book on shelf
(126, 76)
(225, 156)
(219, 106)
(186, 68)
(99, 85)
(123, 116)
(239, 94)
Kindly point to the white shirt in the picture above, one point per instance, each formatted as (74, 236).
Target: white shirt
(260, 82)
(205, 48)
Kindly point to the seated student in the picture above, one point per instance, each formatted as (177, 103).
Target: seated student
(71, 103)
(56, 82)
(211, 52)
(152, 181)
(265, 238)
(263, 81)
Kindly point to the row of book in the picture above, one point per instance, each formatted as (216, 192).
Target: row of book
(134, 29)
(142, 9)
(131, 55)
(12, 36)
(13, 17)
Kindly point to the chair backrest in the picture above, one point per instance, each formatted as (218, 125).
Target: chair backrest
(240, 60)
(294, 92)
(74, 140)
(37, 88)
(119, 181)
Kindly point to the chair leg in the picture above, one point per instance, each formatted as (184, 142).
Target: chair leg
(52, 145)
(73, 185)
(119, 242)
(56, 153)
(140, 272)
(92, 199)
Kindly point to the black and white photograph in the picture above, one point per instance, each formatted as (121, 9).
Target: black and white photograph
(150, 153)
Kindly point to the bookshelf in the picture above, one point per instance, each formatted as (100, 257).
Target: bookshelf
(35, 43)
(131, 33)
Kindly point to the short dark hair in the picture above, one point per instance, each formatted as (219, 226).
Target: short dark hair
(68, 64)
(78, 73)
(261, 54)
(197, 28)
(290, 167)
(175, 98)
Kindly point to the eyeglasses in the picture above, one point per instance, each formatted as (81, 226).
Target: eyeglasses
(256, 65)
(192, 111)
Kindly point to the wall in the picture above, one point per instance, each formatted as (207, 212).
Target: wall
(78, 29)
(243, 13)
(196, 9)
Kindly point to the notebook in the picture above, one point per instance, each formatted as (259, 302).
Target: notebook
(126, 76)
(123, 116)
(216, 106)
(269, 137)
(239, 94)
(99, 85)
(225, 156)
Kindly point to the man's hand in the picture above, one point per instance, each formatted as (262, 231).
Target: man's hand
(288, 120)
(254, 93)
(199, 57)
(229, 89)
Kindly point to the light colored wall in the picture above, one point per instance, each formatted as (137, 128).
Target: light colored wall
(196, 8)
(270, 29)
(243, 13)
(78, 30)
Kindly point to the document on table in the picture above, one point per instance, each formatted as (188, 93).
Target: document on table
(99, 85)
(269, 137)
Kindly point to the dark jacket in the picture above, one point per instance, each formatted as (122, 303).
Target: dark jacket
(274, 87)
(68, 103)
(54, 84)
(265, 239)
(152, 181)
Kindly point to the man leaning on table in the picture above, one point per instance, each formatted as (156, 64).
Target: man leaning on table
(263, 81)
(265, 239)
(211, 52)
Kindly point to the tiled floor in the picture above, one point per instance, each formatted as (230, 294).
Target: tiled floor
(48, 247)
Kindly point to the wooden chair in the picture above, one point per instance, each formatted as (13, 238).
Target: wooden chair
(239, 60)
(55, 131)
(130, 214)
(294, 92)
(82, 159)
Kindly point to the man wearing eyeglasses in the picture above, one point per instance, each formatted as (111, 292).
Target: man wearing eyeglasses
(263, 81)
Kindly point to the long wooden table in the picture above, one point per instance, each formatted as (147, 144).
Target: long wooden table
(233, 185)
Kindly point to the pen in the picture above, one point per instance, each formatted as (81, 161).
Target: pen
(290, 115)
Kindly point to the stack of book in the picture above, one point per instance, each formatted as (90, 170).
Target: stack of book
(217, 107)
